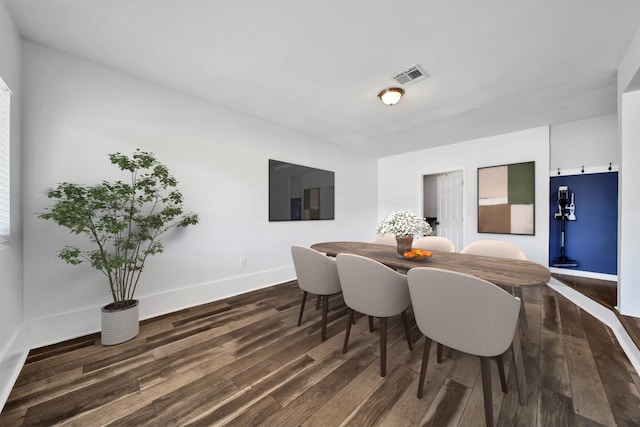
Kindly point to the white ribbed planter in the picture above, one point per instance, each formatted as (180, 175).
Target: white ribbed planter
(119, 326)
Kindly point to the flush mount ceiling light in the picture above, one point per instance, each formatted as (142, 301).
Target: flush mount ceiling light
(391, 96)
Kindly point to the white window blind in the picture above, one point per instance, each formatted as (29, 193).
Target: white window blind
(5, 103)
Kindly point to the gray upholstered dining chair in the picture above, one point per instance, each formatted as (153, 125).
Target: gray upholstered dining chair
(500, 249)
(317, 274)
(385, 239)
(374, 289)
(434, 243)
(494, 248)
(467, 314)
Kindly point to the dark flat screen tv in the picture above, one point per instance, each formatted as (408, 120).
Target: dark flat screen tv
(300, 193)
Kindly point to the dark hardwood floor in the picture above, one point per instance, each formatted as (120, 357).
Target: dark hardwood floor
(242, 361)
(605, 293)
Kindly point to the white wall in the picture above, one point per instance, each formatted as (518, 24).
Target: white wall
(400, 181)
(629, 226)
(629, 180)
(11, 253)
(590, 143)
(76, 112)
(628, 76)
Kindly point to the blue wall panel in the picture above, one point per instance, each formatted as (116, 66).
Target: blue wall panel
(592, 239)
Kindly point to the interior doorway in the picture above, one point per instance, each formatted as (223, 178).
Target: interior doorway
(442, 204)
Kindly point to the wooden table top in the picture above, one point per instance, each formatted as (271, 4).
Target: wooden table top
(499, 271)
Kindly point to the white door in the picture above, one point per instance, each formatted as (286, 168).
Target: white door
(450, 207)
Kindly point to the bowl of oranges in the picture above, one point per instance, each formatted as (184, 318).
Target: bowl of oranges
(418, 254)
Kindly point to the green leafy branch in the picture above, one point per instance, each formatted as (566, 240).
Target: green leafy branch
(125, 220)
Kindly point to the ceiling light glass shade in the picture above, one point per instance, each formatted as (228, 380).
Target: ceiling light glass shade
(391, 96)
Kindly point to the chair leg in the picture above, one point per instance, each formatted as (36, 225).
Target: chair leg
(318, 302)
(325, 310)
(423, 368)
(521, 378)
(485, 368)
(439, 353)
(370, 324)
(304, 299)
(406, 329)
(503, 379)
(383, 346)
(348, 331)
(524, 325)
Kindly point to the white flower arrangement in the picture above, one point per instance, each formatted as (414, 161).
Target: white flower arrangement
(404, 223)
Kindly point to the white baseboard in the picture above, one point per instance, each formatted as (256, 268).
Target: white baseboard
(587, 274)
(64, 326)
(168, 302)
(604, 315)
(49, 330)
(12, 359)
(45, 331)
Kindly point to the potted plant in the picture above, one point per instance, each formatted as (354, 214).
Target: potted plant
(404, 225)
(124, 221)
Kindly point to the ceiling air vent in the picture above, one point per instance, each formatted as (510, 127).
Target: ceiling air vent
(410, 75)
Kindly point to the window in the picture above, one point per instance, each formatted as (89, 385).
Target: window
(5, 103)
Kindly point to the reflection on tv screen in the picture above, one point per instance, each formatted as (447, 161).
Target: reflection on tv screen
(299, 193)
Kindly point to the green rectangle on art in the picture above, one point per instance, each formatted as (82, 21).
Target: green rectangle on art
(521, 183)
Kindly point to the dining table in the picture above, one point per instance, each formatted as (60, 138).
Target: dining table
(499, 271)
(503, 272)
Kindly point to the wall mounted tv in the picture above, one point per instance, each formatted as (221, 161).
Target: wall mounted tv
(299, 193)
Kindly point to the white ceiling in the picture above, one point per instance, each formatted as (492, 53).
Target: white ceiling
(316, 66)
